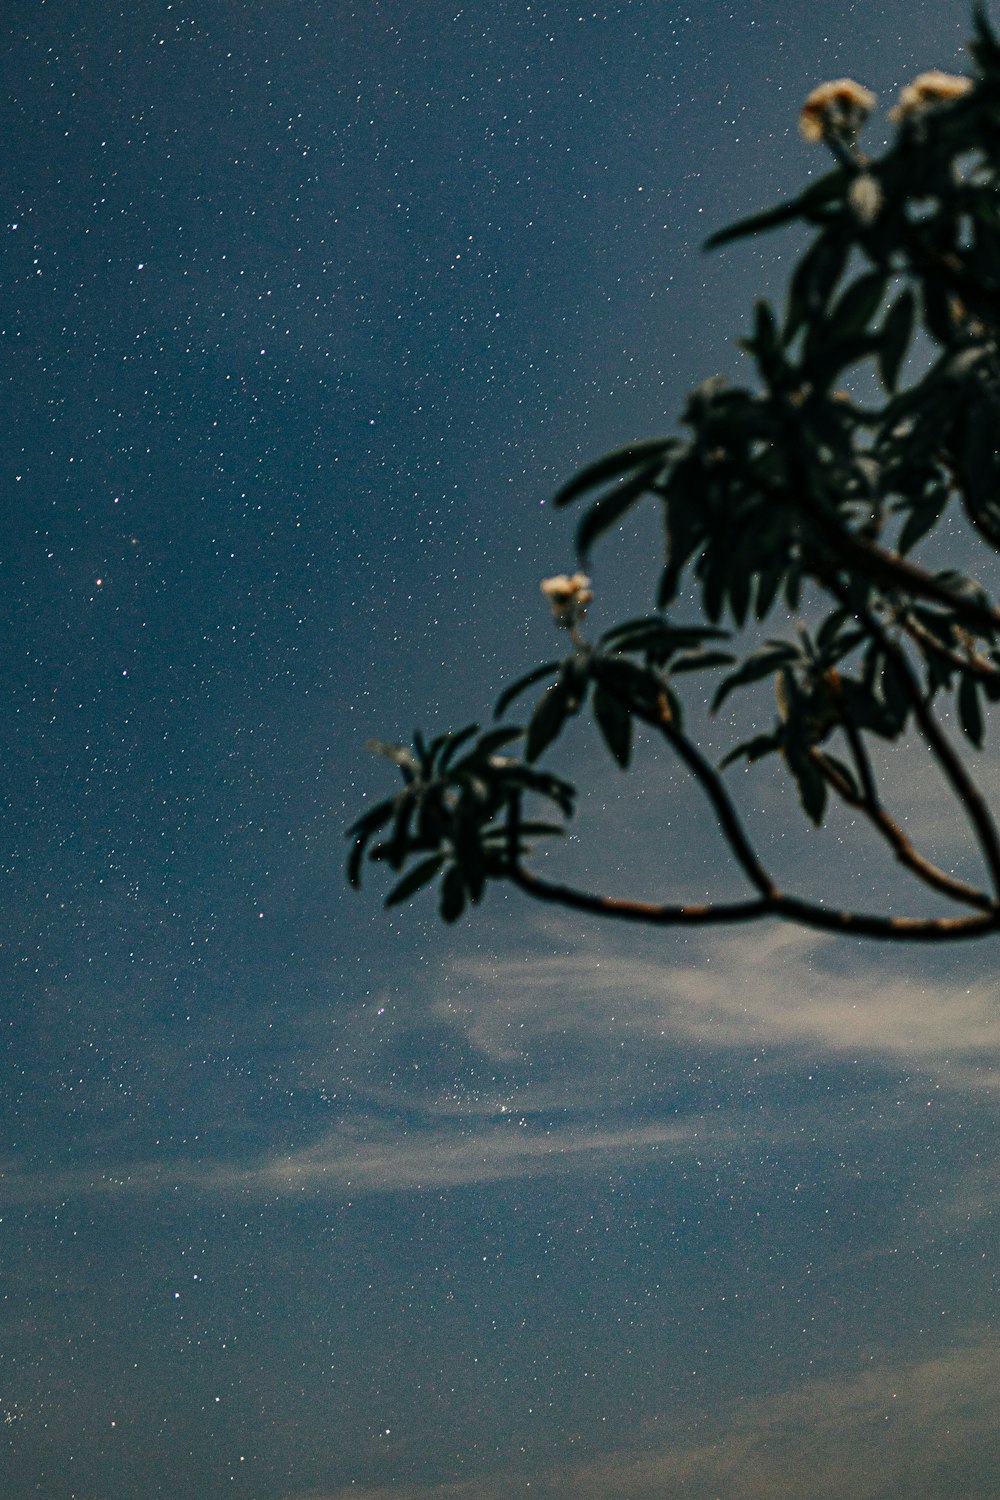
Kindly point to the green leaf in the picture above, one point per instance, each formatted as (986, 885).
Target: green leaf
(826, 355)
(696, 661)
(496, 839)
(660, 641)
(803, 207)
(547, 720)
(614, 465)
(604, 513)
(740, 582)
(923, 517)
(812, 791)
(535, 675)
(634, 685)
(452, 903)
(894, 338)
(363, 830)
(715, 580)
(615, 724)
(562, 793)
(843, 770)
(752, 749)
(858, 305)
(398, 845)
(895, 696)
(769, 582)
(419, 876)
(815, 277)
(984, 46)
(809, 781)
(760, 663)
(863, 709)
(455, 743)
(765, 344)
(487, 745)
(970, 714)
(826, 638)
(375, 817)
(400, 755)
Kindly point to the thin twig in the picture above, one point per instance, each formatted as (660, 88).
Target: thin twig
(891, 570)
(951, 764)
(792, 908)
(861, 760)
(922, 868)
(973, 664)
(713, 787)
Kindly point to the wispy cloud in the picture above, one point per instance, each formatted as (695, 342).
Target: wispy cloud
(553, 1072)
(918, 1429)
(775, 987)
(382, 1157)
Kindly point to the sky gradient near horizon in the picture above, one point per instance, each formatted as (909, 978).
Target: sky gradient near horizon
(308, 309)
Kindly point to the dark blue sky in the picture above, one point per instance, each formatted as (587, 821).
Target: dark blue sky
(308, 308)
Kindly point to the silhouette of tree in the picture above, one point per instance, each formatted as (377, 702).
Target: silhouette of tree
(786, 495)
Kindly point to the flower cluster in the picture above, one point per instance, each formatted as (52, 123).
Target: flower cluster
(865, 197)
(839, 108)
(930, 88)
(569, 597)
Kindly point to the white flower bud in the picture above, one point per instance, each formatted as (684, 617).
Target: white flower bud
(865, 197)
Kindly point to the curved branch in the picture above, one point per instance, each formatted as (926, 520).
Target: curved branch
(951, 764)
(713, 787)
(808, 913)
(974, 665)
(862, 762)
(891, 570)
(922, 868)
(651, 912)
(770, 903)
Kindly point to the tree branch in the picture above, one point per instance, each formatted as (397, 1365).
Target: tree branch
(922, 868)
(712, 785)
(808, 913)
(951, 764)
(891, 570)
(771, 902)
(973, 664)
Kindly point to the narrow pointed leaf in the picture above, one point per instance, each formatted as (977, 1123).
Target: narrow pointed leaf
(894, 338)
(547, 720)
(615, 724)
(811, 786)
(607, 511)
(751, 750)
(613, 465)
(452, 903)
(695, 661)
(804, 206)
(535, 675)
(858, 305)
(970, 714)
(455, 743)
(761, 663)
(420, 875)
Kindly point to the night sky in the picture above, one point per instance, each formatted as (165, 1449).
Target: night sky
(308, 308)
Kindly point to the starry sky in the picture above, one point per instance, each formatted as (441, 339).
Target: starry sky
(308, 307)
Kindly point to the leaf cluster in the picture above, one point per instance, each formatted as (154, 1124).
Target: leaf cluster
(782, 497)
(453, 815)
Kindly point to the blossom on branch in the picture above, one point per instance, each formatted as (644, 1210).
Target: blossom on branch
(839, 108)
(568, 596)
(929, 89)
(865, 197)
